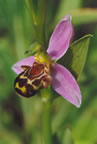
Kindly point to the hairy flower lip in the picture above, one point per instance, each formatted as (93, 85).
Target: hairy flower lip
(63, 81)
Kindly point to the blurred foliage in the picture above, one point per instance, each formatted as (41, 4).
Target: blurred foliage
(20, 119)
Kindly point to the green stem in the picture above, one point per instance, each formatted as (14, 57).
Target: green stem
(47, 132)
(41, 19)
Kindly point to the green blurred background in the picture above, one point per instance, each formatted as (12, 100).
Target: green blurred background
(21, 119)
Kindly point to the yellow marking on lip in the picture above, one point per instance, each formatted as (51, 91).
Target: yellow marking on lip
(23, 89)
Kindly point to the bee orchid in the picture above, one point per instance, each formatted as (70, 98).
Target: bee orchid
(35, 72)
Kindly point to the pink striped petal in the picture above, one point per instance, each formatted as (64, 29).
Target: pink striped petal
(65, 84)
(26, 62)
(60, 39)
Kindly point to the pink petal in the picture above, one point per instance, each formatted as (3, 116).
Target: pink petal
(65, 84)
(26, 62)
(60, 39)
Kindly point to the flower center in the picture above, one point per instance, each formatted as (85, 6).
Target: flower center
(43, 57)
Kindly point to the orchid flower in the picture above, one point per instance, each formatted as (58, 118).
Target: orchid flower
(63, 82)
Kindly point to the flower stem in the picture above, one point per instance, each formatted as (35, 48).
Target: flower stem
(47, 132)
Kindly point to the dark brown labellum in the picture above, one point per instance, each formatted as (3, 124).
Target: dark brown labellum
(28, 83)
